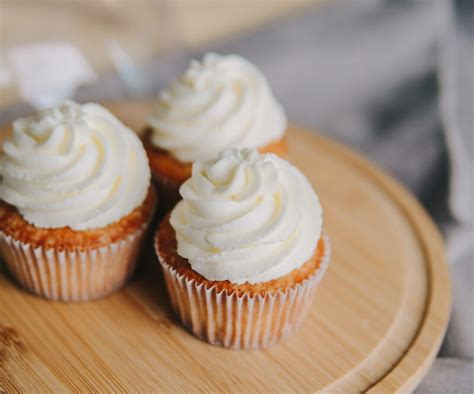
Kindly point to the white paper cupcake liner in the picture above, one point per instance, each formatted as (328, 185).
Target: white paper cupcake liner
(73, 275)
(241, 321)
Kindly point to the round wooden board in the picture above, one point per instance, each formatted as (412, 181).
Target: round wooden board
(376, 324)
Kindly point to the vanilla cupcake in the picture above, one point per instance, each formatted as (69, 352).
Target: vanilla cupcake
(244, 251)
(221, 103)
(75, 200)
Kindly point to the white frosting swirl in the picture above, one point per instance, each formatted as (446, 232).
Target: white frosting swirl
(73, 165)
(246, 217)
(220, 103)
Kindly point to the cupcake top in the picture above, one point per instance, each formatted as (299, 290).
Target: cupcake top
(220, 103)
(246, 217)
(73, 166)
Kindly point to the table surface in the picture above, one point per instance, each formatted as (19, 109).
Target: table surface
(376, 323)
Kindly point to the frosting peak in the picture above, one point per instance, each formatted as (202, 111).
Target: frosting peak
(246, 217)
(220, 103)
(73, 165)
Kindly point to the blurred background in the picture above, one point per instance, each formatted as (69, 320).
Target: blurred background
(118, 37)
(393, 79)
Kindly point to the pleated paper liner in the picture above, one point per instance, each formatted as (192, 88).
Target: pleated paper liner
(241, 321)
(73, 275)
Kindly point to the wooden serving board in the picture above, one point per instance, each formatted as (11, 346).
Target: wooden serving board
(376, 324)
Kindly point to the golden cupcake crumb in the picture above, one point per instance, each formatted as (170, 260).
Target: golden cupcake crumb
(167, 249)
(164, 166)
(12, 224)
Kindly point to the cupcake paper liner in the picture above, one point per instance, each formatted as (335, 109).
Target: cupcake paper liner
(241, 321)
(73, 275)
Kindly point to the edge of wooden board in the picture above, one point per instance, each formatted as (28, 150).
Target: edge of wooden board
(407, 373)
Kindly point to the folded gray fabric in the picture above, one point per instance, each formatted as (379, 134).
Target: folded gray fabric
(457, 91)
(456, 75)
(449, 376)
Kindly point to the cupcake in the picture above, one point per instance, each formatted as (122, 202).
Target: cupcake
(75, 201)
(243, 251)
(221, 103)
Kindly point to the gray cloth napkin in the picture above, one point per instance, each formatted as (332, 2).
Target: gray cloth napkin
(393, 79)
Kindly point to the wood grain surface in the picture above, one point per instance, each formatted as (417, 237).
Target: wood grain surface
(376, 324)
